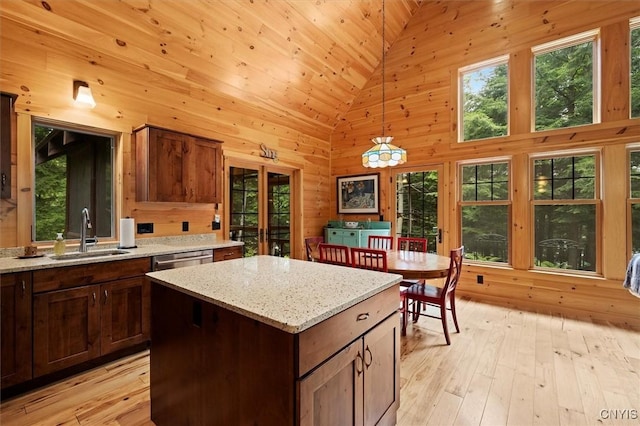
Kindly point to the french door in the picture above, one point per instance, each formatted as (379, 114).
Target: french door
(260, 207)
(419, 205)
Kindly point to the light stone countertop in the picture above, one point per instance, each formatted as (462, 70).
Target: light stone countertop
(146, 248)
(291, 295)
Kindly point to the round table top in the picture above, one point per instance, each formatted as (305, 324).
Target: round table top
(412, 264)
(416, 264)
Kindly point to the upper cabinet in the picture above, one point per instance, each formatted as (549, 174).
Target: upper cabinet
(177, 167)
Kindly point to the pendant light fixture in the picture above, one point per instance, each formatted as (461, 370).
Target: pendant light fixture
(383, 153)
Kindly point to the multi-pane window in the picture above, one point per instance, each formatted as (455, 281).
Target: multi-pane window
(566, 82)
(483, 103)
(565, 194)
(485, 203)
(635, 67)
(417, 206)
(634, 185)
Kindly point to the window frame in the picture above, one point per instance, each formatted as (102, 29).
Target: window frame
(631, 201)
(583, 37)
(72, 127)
(597, 201)
(499, 60)
(508, 203)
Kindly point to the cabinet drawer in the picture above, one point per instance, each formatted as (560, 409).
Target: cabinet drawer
(323, 340)
(74, 276)
(227, 253)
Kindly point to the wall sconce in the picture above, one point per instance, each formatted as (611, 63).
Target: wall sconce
(82, 96)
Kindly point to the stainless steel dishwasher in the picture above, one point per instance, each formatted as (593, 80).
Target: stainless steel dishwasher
(178, 260)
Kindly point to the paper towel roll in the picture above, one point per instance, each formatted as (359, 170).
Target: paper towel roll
(127, 233)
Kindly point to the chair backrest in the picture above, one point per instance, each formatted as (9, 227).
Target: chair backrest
(366, 258)
(311, 243)
(455, 269)
(412, 244)
(380, 242)
(336, 254)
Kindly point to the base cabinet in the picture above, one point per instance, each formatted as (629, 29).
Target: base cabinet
(78, 323)
(15, 327)
(359, 385)
(212, 366)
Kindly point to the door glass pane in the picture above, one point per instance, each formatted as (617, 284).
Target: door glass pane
(417, 206)
(279, 202)
(244, 208)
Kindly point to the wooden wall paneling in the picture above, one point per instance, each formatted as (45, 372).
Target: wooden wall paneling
(615, 61)
(520, 91)
(520, 238)
(24, 155)
(615, 187)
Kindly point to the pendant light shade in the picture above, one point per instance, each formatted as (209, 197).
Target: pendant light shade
(383, 153)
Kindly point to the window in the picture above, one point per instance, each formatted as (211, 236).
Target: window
(635, 67)
(634, 185)
(73, 170)
(483, 106)
(565, 209)
(566, 82)
(485, 211)
(417, 206)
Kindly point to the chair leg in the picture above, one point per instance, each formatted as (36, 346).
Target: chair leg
(405, 312)
(453, 311)
(416, 310)
(443, 316)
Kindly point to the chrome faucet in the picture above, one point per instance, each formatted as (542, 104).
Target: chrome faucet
(86, 224)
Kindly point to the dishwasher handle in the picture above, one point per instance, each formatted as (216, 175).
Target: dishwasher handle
(182, 259)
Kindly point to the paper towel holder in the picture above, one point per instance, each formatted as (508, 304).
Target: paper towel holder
(120, 245)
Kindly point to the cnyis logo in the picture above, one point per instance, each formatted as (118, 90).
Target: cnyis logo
(619, 414)
(268, 153)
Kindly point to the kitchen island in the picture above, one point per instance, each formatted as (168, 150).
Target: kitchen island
(274, 341)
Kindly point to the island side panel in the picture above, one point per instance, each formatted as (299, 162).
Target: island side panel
(213, 366)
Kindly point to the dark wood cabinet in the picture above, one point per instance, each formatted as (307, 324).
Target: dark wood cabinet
(210, 365)
(359, 385)
(227, 253)
(15, 326)
(83, 312)
(177, 167)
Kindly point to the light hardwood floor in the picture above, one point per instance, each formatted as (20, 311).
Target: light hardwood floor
(506, 367)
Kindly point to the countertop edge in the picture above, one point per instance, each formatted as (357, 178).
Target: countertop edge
(12, 264)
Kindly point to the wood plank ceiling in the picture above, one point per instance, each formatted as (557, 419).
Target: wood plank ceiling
(303, 61)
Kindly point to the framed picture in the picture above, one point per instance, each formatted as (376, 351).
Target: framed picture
(358, 194)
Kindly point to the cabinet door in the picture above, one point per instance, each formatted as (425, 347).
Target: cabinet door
(204, 160)
(66, 328)
(382, 373)
(167, 173)
(15, 325)
(332, 394)
(125, 313)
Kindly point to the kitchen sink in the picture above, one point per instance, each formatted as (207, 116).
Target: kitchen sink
(88, 254)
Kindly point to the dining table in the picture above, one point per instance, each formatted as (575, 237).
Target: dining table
(412, 264)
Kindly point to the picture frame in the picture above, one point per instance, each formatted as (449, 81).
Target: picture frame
(358, 194)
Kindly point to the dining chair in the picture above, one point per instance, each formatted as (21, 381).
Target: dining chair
(310, 244)
(413, 244)
(335, 254)
(435, 296)
(380, 242)
(366, 258)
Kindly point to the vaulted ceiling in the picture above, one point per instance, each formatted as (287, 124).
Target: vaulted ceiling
(300, 60)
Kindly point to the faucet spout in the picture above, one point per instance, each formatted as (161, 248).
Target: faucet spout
(86, 224)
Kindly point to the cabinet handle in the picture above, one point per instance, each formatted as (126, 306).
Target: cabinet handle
(359, 363)
(106, 296)
(368, 351)
(24, 289)
(94, 298)
(362, 317)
